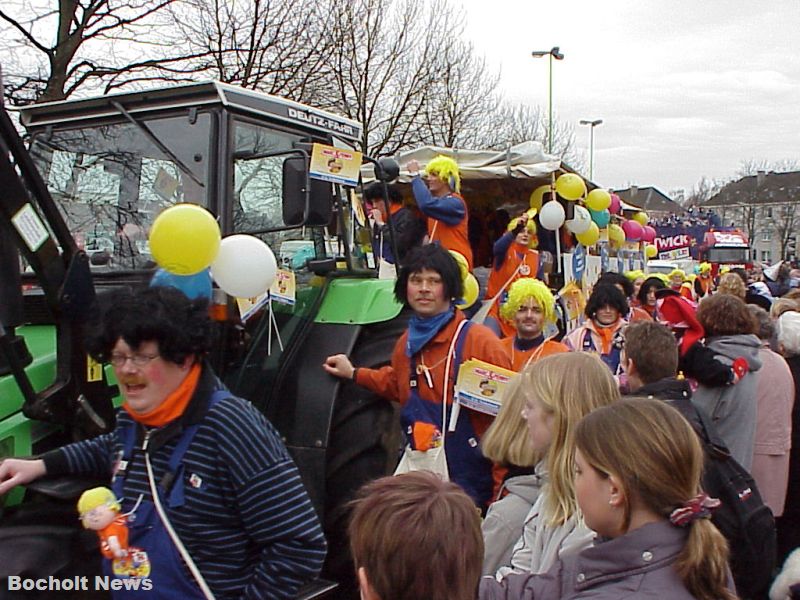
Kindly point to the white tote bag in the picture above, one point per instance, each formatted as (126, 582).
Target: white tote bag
(386, 270)
(435, 459)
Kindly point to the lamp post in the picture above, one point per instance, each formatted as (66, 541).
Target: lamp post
(552, 53)
(592, 125)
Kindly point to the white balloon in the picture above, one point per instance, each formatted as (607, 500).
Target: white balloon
(552, 215)
(581, 222)
(245, 266)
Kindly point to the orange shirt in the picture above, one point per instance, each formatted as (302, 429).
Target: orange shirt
(452, 237)
(519, 358)
(520, 261)
(391, 381)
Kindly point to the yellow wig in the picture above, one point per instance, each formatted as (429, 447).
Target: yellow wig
(91, 499)
(446, 169)
(661, 276)
(677, 272)
(523, 290)
(530, 226)
(635, 274)
(704, 268)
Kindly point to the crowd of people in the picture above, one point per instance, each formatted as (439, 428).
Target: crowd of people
(593, 480)
(694, 216)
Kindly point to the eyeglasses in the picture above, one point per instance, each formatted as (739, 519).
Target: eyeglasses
(138, 360)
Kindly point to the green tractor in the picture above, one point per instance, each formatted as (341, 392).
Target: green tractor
(75, 211)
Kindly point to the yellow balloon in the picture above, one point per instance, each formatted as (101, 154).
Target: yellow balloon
(184, 239)
(537, 196)
(650, 251)
(590, 236)
(641, 218)
(616, 235)
(463, 265)
(471, 291)
(570, 186)
(598, 200)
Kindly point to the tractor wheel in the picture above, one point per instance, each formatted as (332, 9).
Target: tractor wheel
(364, 444)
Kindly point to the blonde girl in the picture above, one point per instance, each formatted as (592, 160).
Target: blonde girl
(637, 481)
(558, 390)
(506, 444)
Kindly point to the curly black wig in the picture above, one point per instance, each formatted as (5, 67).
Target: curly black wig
(180, 326)
(606, 294)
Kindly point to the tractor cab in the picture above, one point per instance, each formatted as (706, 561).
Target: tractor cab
(80, 202)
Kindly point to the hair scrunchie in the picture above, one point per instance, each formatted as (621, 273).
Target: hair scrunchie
(699, 507)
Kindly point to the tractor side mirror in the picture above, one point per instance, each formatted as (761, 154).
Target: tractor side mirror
(306, 201)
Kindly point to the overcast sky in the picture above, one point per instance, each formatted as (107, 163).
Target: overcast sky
(685, 88)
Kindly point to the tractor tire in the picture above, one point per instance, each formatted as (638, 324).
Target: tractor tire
(364, 444)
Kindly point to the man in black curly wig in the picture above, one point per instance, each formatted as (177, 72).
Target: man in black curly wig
(188, 456)
(602, 332)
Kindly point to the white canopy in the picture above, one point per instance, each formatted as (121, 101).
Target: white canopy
(522, 161)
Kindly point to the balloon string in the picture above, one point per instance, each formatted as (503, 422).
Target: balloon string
(273, 323)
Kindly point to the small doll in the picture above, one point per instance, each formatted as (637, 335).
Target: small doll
(99, 510)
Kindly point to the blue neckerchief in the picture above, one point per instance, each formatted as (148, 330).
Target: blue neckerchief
(422, 330)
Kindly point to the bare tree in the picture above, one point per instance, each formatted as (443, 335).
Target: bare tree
(514, 123)
(267, 45)
(460, 99)
(702, 191)
(87, 46)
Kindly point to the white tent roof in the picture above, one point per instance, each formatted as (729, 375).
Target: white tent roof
(522, 161)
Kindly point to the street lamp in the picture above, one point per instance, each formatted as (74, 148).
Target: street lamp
(552, 53)
(592, 125)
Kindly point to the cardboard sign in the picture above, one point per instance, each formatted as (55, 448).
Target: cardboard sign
(336, 165)
(481, 385)
(284, 288)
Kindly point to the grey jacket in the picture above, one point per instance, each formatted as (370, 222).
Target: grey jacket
(503, 524)
(636, 565)
(733, 408)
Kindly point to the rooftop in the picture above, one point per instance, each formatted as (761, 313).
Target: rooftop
(763, 188)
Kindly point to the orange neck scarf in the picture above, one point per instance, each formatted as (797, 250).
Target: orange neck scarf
(606, 336)
(173, 406)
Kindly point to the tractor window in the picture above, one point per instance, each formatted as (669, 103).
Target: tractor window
(111, 181)
(259, 155)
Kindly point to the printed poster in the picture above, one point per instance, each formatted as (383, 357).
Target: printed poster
(481, 385)
(336, 165)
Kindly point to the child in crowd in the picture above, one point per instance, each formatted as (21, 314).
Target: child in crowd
(415, 536)
(558, 390)
(637, 480)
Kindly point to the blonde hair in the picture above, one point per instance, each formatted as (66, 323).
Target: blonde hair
(635, 274)
(506, 441)
(530, 226)
(675, 272)
(99, 496)
(656, 456)
(569, 386)
(446, 169)
(524, 289)
(732, 284)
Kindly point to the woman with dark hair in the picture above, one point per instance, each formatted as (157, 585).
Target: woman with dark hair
(602, 331)
(730, 333)
(647, 295)
(626, 286)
